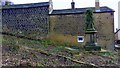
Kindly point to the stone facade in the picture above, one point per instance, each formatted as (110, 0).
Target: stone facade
(74, 24)
(104, 23)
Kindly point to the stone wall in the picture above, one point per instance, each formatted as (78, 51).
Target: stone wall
(73, 24)
(67, 24)
(105, 26)
(35, 22)
(30, 22)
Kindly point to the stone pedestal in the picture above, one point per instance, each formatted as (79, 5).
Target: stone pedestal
(92, 45)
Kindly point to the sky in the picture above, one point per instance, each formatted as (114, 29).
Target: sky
(64, 4)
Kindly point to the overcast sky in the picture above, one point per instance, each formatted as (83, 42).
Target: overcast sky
(64, 4)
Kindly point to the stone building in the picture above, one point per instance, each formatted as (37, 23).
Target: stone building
(72, 21)
(40, 19)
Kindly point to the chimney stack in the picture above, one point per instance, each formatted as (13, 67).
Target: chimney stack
(97, 6)
(8, 3)
(73, 4)
(50, 6)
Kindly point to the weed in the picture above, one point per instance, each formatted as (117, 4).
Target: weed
(40, 65)
(14, 48)
(29, 64)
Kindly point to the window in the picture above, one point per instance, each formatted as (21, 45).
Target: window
(80, 39)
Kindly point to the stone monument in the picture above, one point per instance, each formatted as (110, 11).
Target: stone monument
(91, 32)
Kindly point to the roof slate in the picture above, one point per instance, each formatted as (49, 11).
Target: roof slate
(26, 5)
(80, 10)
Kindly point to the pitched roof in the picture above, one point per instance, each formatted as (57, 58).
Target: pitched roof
(26, 5)
(79, 10)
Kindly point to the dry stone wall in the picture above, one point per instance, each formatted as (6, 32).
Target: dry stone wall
(31, 22)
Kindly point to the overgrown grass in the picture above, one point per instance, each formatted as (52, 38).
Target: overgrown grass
(14, 44)
(40, 45)
(53, 39)
(72, 40)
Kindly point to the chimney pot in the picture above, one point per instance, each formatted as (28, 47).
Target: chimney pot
(97, 6)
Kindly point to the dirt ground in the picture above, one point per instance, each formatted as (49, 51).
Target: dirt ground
(21, 52)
